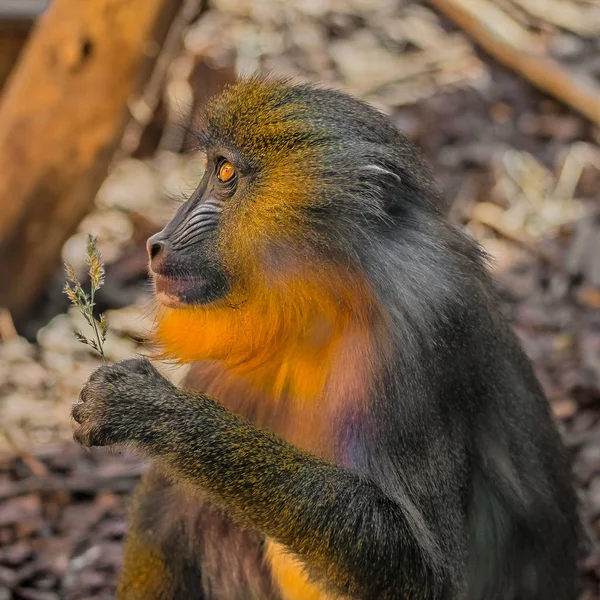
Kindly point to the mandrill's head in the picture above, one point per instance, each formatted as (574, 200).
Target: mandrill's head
(300, 183)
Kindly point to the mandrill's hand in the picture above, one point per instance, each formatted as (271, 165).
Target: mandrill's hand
(123, 403)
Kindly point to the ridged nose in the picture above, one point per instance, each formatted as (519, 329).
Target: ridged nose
(157, 251)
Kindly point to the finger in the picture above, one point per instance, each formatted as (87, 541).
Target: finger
(83, 437)
(100, 375)
(89, 436)
(86, 394)
(78, 412)
(138, 365)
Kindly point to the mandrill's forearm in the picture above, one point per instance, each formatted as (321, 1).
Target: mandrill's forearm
(340, 525)
(346, 530)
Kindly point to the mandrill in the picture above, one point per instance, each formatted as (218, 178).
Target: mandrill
(359, 421)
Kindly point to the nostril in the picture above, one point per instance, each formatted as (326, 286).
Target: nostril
(155, 249)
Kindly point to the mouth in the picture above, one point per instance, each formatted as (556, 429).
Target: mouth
(178, 292)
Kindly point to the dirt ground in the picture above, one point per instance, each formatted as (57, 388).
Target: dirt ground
(519, 171)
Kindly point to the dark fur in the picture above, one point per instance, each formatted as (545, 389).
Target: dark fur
(457, 485)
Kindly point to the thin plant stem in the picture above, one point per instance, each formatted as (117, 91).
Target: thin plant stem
(84, 302)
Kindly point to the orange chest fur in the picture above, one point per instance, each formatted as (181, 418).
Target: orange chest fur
(288, 357)
(304, 395)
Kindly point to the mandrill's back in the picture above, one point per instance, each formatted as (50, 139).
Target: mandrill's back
(470, 389)
(523, 522)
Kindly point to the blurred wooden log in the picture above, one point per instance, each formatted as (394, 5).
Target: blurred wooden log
(513, 45)
(61, 119)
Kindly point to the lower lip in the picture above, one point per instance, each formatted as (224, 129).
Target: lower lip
(175, 293)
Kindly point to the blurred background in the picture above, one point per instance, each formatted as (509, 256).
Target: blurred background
(96, 135)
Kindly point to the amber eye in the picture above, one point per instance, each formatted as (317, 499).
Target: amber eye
(226, 172)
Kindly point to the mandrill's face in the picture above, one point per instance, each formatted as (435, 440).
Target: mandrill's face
(298, 180)
(254, 199)
(185, 258)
